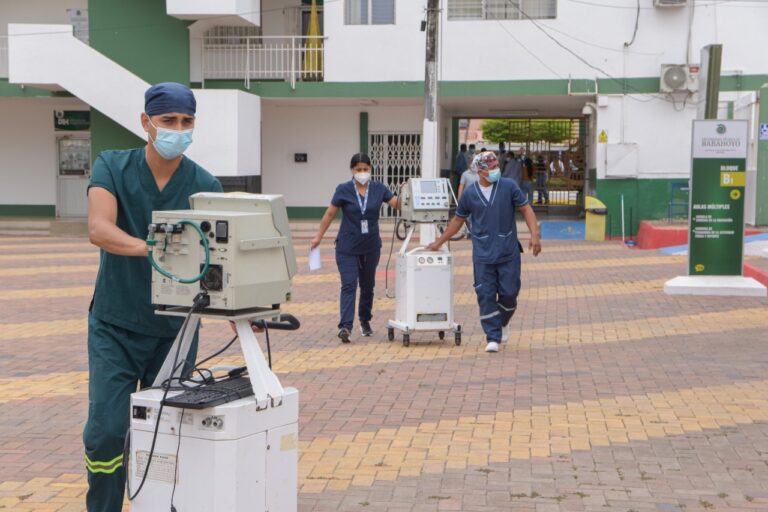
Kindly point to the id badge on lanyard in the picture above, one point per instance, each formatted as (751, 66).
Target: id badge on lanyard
(363, 206)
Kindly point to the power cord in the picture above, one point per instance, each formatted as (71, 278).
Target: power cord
(201, 300)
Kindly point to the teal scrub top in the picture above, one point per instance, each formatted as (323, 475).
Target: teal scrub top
(122, 296)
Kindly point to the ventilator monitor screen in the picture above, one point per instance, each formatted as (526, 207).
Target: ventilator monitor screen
(428, 187)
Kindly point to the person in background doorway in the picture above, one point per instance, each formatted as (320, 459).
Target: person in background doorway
(358, 244)
(513, 169)
(540, 167)
(491, 201)
(127, 341)
(470, 155)
(502, 155)
(528, 174)
(460, 165)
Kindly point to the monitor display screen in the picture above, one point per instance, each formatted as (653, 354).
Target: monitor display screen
(428, 187)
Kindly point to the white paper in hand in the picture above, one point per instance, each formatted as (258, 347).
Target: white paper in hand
(314, 258)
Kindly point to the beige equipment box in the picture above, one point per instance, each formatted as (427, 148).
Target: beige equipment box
(251, 253)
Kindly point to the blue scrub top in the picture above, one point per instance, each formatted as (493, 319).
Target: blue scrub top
(494, 231)
(123, 286)
(350, 239)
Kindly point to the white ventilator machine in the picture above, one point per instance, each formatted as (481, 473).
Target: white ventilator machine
(424, 279)
(236, 456)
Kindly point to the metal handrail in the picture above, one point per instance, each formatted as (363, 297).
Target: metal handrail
(289, 58)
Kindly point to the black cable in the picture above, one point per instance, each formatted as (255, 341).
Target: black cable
(176, 462)
(197, 303)
(217, 353)
(637, 21)
(269, 348)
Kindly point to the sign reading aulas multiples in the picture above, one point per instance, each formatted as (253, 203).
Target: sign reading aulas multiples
(716, 217)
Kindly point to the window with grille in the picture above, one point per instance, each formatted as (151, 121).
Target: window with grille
(501, 9)
(232, 36)
(369, 12)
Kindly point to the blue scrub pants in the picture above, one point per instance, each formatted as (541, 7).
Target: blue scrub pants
(527, 188)
(118, 360)
(354, 269)
(497, 286)
(541, 186)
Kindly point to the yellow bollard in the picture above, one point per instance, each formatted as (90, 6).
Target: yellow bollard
(595, 222)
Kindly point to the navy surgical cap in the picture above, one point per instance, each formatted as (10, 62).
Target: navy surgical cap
(168, 97)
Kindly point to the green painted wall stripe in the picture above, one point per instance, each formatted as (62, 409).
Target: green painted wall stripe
(364, 132)
(642, 85)
(644, 199)
(8, 89)
(27, 210)
(306, 212)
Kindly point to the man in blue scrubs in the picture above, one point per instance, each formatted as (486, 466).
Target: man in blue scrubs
(491, 201)
(127, 342)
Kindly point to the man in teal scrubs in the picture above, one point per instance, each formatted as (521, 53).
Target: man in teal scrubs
(127, 342)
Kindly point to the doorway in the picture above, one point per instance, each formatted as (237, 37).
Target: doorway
(556, 146)
(73, 174)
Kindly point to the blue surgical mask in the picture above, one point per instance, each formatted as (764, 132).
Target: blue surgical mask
(171, 144)
(494, 175)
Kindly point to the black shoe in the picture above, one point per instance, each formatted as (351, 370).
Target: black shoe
(365, 328)
(344, 335)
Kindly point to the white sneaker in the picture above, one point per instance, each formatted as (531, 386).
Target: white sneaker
(492, 346)
(504, 334)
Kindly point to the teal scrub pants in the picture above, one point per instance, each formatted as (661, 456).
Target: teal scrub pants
(118, 361)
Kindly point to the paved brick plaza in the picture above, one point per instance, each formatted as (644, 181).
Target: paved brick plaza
(610, 395)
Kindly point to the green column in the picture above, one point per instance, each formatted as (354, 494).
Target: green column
(761, 190)
(364, 132)
(142, 38)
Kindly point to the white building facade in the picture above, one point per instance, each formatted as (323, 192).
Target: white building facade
(282, 114)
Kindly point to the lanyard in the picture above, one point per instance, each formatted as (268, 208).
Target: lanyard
(363, 204)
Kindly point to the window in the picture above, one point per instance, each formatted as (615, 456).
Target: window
(501, 9)
(369, 12)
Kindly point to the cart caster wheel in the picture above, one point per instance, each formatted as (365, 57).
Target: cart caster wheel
(441, 335)
(390, 334)
(457, 339)
(406, 340)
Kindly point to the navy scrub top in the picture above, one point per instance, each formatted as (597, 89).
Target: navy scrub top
(494, 231)
(350, 239)
(123, 286)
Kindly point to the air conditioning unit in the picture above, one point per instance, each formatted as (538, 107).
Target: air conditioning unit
(678, 78)
(670, 3)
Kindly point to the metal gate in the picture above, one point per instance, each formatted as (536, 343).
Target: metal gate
(395, 157)
(562, 144)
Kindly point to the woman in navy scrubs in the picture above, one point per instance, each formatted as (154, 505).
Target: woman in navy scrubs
(358, 244)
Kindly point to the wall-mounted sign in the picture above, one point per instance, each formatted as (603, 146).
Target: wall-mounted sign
(718, 177)
(300, 157)
(78, 18)
(71, 120)
(763, 133)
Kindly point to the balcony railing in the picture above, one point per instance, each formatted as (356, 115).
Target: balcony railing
(289, 58)
(3, 56)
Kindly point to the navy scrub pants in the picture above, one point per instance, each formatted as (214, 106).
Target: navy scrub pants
(354, 269)
(118, 360)
(497, 286)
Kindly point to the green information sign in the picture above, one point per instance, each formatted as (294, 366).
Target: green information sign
(72, 120)
(716, 217)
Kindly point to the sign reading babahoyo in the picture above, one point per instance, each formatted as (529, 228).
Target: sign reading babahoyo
(716, 217)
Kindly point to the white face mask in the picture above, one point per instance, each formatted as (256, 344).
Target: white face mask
(362, 177)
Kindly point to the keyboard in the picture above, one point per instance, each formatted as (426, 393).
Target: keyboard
(211, 395)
